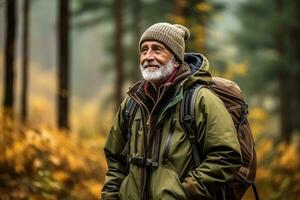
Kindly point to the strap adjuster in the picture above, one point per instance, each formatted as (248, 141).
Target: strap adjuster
(187, 119)
(142, 162)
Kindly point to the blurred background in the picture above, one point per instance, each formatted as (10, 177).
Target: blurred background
(65, 65)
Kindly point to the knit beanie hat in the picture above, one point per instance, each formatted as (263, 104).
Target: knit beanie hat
(173, 36)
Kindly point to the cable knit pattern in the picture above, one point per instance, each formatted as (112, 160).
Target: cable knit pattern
(173, 36)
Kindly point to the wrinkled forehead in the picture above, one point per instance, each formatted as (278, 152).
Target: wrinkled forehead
(152, 43)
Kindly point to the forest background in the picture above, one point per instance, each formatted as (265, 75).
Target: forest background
(65, 65)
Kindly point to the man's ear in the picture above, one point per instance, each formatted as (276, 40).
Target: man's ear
(176, 63)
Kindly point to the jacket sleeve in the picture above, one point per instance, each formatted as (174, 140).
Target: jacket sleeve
(114, 145)
(219, 147)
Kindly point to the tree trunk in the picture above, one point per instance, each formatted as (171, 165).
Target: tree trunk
(284, 117)
(295, 37)
(9, 59)
(136, 15)
(200, 34)
(63, 65)
(25, 61)
(178, 9)
(119, 49)
(290, 82)
(196, 22)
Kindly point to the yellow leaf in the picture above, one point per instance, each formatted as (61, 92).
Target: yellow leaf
(55, 160)
(60, 175)
(37, 163)
(263, 148)
(204, 7)
(93, 187)
(290, 158)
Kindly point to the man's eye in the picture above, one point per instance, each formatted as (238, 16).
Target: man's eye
(158, 50)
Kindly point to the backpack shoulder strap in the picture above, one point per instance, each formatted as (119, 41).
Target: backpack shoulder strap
(130, 110)
(187, 119)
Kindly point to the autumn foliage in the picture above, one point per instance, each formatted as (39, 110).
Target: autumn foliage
(278, 172)
(44, 163)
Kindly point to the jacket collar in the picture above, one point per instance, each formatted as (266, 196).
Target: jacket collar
(142, 91)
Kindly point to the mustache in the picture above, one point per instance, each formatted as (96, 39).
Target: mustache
(152, 63)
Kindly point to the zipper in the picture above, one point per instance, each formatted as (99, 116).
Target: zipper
(147, 189)
(147, 195)
(143, 178)
(143, 172)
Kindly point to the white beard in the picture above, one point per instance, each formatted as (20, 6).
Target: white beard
(161, 73)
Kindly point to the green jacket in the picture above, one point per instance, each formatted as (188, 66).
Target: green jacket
(156, 133)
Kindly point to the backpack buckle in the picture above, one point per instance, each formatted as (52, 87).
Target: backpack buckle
(188, 119)
(192, 137)
(142, 162)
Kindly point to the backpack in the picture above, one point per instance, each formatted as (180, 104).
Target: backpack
(233, 99)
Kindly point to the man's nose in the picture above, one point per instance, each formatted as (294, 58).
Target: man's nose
(149, 55)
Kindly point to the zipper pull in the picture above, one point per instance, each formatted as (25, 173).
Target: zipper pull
(148, 121)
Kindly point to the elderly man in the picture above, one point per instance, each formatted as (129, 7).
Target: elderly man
(151, 158)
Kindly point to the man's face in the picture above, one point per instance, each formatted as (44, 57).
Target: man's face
(156, 61)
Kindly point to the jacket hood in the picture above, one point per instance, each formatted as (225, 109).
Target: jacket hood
(194, 70)
(199, 69)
